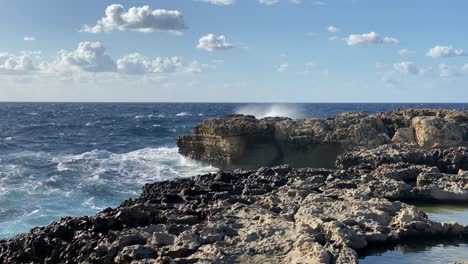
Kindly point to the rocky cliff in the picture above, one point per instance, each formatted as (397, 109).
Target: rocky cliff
(247, 142)
(270, 215)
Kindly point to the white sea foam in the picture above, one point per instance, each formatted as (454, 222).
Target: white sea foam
(136, 167)
(183, 114)
(270, 110)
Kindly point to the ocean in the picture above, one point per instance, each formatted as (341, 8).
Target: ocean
(74, 159)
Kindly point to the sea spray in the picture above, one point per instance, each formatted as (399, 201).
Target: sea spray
(271, 110)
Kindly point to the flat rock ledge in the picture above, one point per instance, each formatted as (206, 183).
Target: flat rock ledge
(238, 139)
(269, 215)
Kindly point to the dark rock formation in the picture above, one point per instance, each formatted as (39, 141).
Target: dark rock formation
(274, 215)
(244, 141)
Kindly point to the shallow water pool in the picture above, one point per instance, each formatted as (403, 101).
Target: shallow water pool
(446, 212)
(423, 251)
(417, 252)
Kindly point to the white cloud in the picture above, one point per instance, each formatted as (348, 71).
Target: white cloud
(13, 64)
(268, 2)
(369, 39)
(296, 1)
(283, 67)
(211, 42)
(445, 51)
(332, 29)
(136, 63)
(91, 59)
(408, 68)
(88, 57)
(219, 2)
(446, 71)
(406, 52)
(29, 38)
(142, 19)
(197, 67)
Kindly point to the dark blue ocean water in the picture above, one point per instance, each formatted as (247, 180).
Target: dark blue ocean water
(72, 159)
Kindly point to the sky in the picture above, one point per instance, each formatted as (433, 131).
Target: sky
(234, 51)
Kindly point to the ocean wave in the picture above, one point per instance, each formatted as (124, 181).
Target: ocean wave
(140, 166)
(183, 114)
(80, 184)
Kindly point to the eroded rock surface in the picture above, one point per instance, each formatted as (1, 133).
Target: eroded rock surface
(271, 215)
(238, 139)
(436, 174)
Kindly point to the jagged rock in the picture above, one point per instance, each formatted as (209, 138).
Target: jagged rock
(246, 141)
(299, 216)
(443, 187)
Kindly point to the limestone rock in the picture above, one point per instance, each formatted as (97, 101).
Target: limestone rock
(436, 132)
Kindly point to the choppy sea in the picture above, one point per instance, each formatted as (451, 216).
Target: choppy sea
(74, 159)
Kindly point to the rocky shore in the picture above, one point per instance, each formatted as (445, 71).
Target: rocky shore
(278, 214)
(242, 140)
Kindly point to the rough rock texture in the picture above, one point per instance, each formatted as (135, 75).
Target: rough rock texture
(271, 215)
(439, 174)
(238, 139)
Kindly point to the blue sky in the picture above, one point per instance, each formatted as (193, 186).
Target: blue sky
(234, 50)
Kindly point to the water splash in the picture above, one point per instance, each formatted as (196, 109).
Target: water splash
(271, 110)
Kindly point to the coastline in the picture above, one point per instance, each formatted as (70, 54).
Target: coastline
(279, 214)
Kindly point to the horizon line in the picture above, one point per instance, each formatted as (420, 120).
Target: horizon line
(219, 102)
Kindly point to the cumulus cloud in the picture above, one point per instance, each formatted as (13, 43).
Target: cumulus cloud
(268, 2)
(88, 57)
(29, 38)
(211, 42)
(136, 63)
(332, 29)
(219, 2)
(16, 64)
(406, 52)
(142, 19)
(445, 51)
(408, 68)
(369, 39)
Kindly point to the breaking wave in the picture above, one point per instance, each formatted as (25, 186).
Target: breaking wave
(271, 110)
(81, 184)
